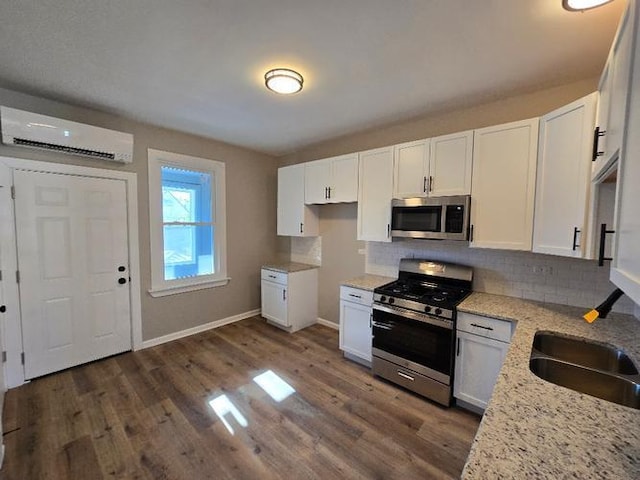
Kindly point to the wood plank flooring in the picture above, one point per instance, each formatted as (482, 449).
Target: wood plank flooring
(146, 415)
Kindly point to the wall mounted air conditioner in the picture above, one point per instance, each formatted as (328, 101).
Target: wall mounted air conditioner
(54, 134)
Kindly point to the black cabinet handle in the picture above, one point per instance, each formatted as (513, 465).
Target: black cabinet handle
(388, 230)
(329, 192)
(355, 296)
(122, 280)
(458, 348)
(430, 183)
(596, 136)
(325, 193)
(424, 184)
(603, 238)
(471, 233)
(122, 268)
(301, 229)
(576, 230)
(3, 308)
(481, 326)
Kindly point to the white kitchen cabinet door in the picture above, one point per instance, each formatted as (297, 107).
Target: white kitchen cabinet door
(563, 179)
(344, 179)
(355, 329)
(613, 89)
(294, 217)
(450, 162)
(274, 303)
(503, 185)
(625, 268)
(317, 178)
(478, 363)
(411, 169)
(374, 195)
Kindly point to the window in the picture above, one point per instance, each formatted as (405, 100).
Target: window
(187, 220)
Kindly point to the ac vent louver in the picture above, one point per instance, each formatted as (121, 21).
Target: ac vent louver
(62, 148)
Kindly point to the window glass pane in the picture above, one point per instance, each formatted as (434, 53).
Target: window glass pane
(188, 251)
(186, 195)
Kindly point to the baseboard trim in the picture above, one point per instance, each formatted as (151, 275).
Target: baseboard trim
(200, 328)
(327, 323)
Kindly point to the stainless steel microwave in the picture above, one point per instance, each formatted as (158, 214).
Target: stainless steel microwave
(441, 218)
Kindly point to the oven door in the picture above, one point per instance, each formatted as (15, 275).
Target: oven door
(413, 340)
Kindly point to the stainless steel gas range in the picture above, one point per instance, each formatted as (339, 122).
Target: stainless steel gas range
(414, 326)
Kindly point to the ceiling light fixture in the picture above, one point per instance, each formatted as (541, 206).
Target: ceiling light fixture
(283, 80)
(581, 5)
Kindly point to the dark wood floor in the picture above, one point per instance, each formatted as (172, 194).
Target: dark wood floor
(147, 415)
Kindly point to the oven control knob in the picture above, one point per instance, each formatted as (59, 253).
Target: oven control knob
(438, 311)
(427, 309)
(383, 299)
(391, 300)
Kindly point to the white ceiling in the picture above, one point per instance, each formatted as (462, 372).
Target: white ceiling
(198, 65)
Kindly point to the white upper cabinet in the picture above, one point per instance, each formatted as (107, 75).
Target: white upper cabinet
(411, 169)
(503, 184)
(294, 217)
(438, 166)
(563, 179)
(332, 180)
(613, 88)
(450, 161)
(625, 269)
(374, 195)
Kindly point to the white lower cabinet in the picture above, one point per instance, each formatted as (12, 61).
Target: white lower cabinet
(290, 300)
(355, 323)
(481, 347)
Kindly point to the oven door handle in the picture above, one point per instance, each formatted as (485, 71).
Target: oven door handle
(383, 326)
(448, 324)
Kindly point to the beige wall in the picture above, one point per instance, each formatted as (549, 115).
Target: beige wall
(494, 113)
(251, 212)
(340, 259)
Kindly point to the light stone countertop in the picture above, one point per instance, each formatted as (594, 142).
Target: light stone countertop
(288, 267)
(367, 282)
(535, 429)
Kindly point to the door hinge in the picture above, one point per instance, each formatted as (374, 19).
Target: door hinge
(17, 276)
(22, 358)
(4, 357)
(13, 192)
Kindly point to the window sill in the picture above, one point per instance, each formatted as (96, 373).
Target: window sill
(173, 290)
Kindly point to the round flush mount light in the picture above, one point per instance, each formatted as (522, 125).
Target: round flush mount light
(581, 5)
(283, 81)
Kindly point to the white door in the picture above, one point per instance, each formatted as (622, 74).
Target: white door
(374, 195)
(274, 303)
(74, 270)
(503, 184)
(355, 329)
(411, 169)
(564, 175)
(450, 163)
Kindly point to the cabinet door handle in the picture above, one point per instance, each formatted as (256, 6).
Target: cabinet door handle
(355, 296)
(576, 230)
(481, 326)
(430, 183)
(458, 348)
(325, 193)
(328, 192)
(424, 184)
(272, 276)
(596, 135)
(471, 233)
(284, 294)
(370, 321)
(603, 239)
(404, 375)
(301, 227)
(388, 230)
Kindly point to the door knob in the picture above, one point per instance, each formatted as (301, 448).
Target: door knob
(122, 281)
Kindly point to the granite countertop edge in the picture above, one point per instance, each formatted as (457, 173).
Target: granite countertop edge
(288, 267)
(536, 429)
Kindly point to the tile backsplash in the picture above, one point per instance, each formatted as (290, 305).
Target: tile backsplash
(545, 278)
(306, 250)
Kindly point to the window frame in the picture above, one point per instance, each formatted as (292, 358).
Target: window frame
(159, 286)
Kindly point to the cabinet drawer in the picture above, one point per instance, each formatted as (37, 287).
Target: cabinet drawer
(485, 326)
(273, 276)
(363, 297)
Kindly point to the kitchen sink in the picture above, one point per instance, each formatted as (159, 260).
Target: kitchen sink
(585, 353)
(596, 369)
